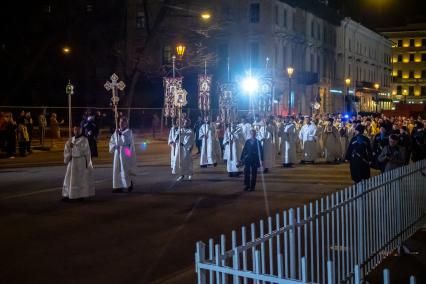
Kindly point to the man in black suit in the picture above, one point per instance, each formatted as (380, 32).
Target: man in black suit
(251, 158)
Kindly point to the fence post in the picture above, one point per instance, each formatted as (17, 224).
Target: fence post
(357, 275)
(236, 265)
(200, 257)
(292, 245)
(304, 270)
(360, 225)
(386, 276)
(330, 272)
(412, 279)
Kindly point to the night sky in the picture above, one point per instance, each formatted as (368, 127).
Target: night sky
(35, 71)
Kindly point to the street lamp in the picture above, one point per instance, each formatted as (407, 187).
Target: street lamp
(66, 50)
(205, 15)
(180, 50)
(348, 84)
(290, 71)
(69, 90)
(377, 86)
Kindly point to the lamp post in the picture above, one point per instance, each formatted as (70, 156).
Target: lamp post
(290, 71)
(69, 90)
(377, 86)
(345, 105)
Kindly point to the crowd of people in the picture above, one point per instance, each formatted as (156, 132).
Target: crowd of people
(378, 142)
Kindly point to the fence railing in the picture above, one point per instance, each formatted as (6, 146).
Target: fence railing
(358, 226)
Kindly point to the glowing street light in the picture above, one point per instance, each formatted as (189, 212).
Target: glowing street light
(180, 49)
(290, 71)
(250, 85)
(205, 15)
(377, 86)
(66, 50)
(348, 84)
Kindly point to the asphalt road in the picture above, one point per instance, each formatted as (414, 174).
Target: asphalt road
(147, 236)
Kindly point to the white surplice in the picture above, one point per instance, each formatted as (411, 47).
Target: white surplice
(209, 145)
(288, 143)
(308, 137)
(171, 141)
(78, 182)
(235, 140)
(183, 160)
(123, 146)
(332, 147)
(265, 134)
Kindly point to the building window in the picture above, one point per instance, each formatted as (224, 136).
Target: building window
(285, 18)
(411, 42)
(399, 42)
(399, 57)
(423, 56)
(284, 57)
(399, 90)
(423, 41)
(423, 91)
(140, 20)
(411, 74)
(254, 54)
(293, 18)
(312, 29)
(423, 74)
(411, 57)
(254, 13)
(399, 74)
(167, 54)
(411, 90)
(277, 14)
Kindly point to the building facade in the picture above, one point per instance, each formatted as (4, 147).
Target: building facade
(408, 63)
(265, 37)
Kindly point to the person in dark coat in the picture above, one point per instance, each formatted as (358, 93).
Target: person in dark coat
(359, 155)
(197, 126)
(379, 142)
(419, 142)
(251, 158)
(393, 155)
(91, 132)
(405, 141)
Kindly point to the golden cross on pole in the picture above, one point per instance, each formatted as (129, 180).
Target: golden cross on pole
(113, 86)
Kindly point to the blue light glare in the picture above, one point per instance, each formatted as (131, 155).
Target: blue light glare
(144, 146)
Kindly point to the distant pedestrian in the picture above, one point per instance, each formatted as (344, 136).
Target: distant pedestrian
(419, 142)
(251, 158)
(55, 130)
(359, 155)
(90, 130)
(78, 182)
(22, 137)
(42, 125)
(392, 155)
(30, 126)
(10, 136)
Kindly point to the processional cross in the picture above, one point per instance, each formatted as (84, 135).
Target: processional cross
(113, 86)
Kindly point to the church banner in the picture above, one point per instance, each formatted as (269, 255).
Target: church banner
(170, 84)
(204, 90)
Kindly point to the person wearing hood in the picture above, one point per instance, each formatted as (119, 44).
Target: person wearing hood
(359, 155)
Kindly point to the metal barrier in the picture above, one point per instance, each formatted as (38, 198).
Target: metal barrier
(324, 240)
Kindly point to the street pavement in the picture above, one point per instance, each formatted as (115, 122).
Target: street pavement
(147, 236)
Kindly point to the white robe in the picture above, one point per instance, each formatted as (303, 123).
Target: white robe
(171, 140)
(209, 145)
(288, 143)
(265, 135)
(123, 147)
(332, 147)
(246, 128)
(78, 182)
(277, 138)
(344, 140)
(308, 137)
(235, 141)
(183, 160)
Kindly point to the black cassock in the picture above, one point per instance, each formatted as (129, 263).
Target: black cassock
(91, 131)
(251, 157)
(359, 155)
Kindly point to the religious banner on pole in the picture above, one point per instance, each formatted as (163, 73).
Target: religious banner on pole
(228, 108)
(171, 85)
(204, 89)
(264, 102)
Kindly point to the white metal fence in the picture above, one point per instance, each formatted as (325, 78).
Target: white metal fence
(358, 226)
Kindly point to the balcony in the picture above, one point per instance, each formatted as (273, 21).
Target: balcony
(408, 80)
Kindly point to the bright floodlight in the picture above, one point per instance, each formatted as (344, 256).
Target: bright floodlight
(250, 85)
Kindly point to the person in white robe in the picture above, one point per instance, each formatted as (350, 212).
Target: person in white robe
(171, 141)
(209, 144)
(277, 137)
(78, 182)
(288, 142)
(123, 146)
(234, 140)
(245, 128)
(185, 139)
(331, 139)
(308, 137)
(265, 135)
(344, 139)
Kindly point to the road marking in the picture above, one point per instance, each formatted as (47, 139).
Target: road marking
(44, 191)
